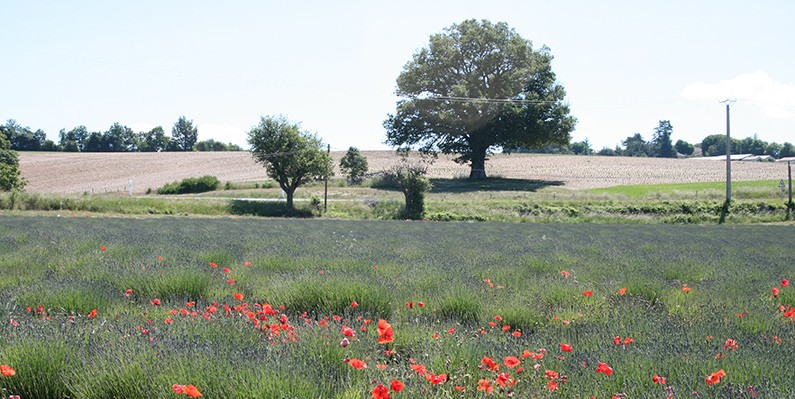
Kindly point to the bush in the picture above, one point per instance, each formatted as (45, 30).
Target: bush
(191, 185)
(411, 180)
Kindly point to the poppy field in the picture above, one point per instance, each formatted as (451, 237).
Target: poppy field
(253, 308)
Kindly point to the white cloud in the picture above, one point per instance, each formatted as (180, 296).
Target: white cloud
(777, 99)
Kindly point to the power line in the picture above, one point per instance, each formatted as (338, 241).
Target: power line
(481, 99)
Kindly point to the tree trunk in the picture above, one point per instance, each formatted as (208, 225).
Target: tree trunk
(289, 193)
(478, 165)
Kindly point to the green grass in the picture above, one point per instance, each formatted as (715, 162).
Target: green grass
(315, 269)
(756, 189)
(451, 200)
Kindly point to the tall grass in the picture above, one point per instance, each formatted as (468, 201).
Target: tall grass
(479, 285)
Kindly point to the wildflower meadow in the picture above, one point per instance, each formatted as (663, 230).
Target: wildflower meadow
(252, 308)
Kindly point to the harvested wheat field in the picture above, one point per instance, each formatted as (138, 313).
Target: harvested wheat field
(74, 173)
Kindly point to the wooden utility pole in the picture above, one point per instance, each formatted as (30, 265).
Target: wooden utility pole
(789, 175)
(325, 194)
(728, 154)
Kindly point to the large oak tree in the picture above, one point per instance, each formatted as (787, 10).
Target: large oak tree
(477, 87)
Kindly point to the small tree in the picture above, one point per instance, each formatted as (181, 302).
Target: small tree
(581, 148)
(661, 141)
(411, 180)
(183, 135)
(353, 165)
(292, 157)
(683, 147)
(635, 146)
(10, 178)
(787, 150)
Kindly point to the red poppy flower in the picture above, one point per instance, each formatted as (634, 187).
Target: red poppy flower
(485, 385)
(511, 361)
(213, 265)
(517, 334)
(410, 304)
(552, 385)
(504, 379)
(93, 314)
(565, 347)
(565, 273)
(247, 264)
(385, 333)
(102, 248)
(715, 377)
(622, 291)
(438, 379)
(421, 304)
(354, 304)
(490, 363)
(419, 368)
(191, 391)
(155, 302)
(588, 293)
(239, 296)
(397, 386)
(347, 331)
(380, 392)
(7, 371)
(551, 374)
(658, 380)
(357, 364)
(730, 344)
(128, 292)
(775, 292)
(784, 282)
(604, 368)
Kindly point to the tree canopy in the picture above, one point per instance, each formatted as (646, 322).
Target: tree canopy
(291, 156)
(353, 165)
(663, 147)
(184, 134)
(10, 178)
(476, 87)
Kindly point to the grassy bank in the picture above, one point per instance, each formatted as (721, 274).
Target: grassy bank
(451, 200)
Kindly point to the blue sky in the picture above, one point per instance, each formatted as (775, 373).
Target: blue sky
(332, 65)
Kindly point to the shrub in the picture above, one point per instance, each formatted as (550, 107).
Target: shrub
(411, 180)
(191, 185)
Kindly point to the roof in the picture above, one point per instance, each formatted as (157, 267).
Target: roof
(734, 157)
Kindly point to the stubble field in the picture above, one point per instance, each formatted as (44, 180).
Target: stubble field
(97, 173)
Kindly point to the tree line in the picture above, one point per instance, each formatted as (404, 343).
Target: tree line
(118, 138)
(661, 146)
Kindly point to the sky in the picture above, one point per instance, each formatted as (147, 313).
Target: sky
(332, 66)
